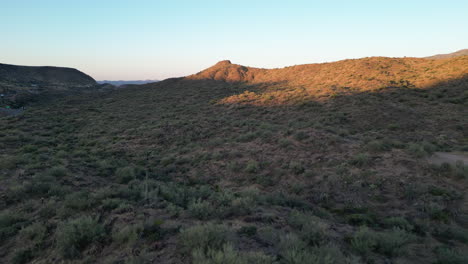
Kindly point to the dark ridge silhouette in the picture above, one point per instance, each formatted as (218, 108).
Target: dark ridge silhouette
(43, 75)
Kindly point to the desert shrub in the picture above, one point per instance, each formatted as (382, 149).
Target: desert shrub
(295, 251)
(252, 166)
(22, 256)
(269, 235)
(399, 222)
(8, 162)
(10, 224)
(125, 175)
(36, 232)
(361, 219)
(206, 236)
(111, 203)
(152, 230)
(79, 201)
(201, 209)
(360, 160)
(241, 206)
(57, 171)
(379, 145)
(128, 234)
(364, 241)
(445, 233)
(390, 243)
(75, 235)
(311, 229)
(421, 149)
(301, 135)
(249, 231)
(228, 255)
(296, 167)
(450, 256)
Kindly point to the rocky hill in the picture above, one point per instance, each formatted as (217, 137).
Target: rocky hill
(21, 84)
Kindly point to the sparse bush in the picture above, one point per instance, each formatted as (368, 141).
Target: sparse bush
(75, 235)
(360, 160)
(228, 255)
(207, 236)
(128, 234)
(23, 256)
(10, 224)
(57, 171)
(390, 243)
(399, 222)
(364, 241)
(125, 175)
(450, 256)
(201, 209)
(252, 166)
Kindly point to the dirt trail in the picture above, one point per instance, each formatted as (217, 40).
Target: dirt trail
(448, 157)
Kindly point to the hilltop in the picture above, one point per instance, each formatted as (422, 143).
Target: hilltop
(317, 163)
(307, 82)
(23, 84)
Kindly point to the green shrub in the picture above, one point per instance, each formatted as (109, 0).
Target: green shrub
(399, 222)
(125, 175)
(249, 231)
(23, 256)
(206, 236)
(228, 255)
(360, 160)
(128, 234)
(36, 232)
(75, 235)
(201, 209)
(364, 241)
(390, 243)
(10, 224)
(57, 172)
(252, 166)
(450, 256)
(311, 229)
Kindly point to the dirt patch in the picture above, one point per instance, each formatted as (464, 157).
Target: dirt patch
(448, 157)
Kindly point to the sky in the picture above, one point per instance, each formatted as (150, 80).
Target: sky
(155, 39)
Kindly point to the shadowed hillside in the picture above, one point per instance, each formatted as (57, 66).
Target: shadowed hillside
(208, 169)
(23, 84)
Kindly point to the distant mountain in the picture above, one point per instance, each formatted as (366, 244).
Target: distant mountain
(121, 82)
(463, 52)
(22, 84)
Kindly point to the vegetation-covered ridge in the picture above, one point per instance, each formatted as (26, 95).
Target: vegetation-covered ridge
(180, 172)
(311, 81)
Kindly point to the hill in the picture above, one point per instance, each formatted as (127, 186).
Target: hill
(21, 84)
(319, 163)
(307, 82)
(463, 52)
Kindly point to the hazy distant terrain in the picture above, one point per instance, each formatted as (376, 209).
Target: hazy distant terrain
(317, 163)
(463, 52)
(119, 83)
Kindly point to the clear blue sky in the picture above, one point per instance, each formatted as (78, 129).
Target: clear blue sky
(142, 39)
